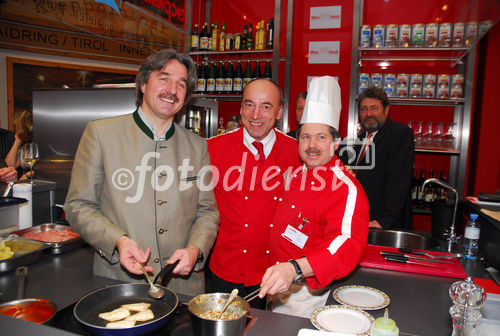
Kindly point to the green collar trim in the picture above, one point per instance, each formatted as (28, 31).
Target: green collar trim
(170, 132)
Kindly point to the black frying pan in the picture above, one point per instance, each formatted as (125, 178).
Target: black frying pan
(106, 299)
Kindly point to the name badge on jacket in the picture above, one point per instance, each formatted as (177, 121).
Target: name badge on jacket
(294, 236)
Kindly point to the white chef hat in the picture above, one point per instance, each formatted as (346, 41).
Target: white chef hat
(322, 102)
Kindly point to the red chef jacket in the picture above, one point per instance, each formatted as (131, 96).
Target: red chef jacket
(247, 194)
(335, 221)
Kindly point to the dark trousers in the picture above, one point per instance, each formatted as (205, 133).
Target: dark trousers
(214, 284)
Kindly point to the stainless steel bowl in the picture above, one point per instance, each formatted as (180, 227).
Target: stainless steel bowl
(215, 301)
(401, 239)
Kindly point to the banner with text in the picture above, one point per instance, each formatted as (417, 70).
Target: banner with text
(126, 30)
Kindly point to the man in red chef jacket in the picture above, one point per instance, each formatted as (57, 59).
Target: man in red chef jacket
(249, 164)
(321, 224)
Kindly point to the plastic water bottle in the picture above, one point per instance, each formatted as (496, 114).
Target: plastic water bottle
(471, 238)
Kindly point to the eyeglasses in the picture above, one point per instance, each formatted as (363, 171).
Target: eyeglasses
(373, 108)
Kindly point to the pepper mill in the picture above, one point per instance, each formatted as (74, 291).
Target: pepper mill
(467, 299)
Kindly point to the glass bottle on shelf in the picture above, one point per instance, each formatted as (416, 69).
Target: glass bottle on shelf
(256, 70)
(238, 79)
(261, 36)
(215, 37)
(202, 78)
(229, 42)
(247, 75)
(267, 71)
(270, 34)
(211, 78)
(219, 80)
(228, 80)
(250, 39)
(237, 41)
(244, 38)
(204, 38)
(209, 32)
(195, 38)
(222, 38)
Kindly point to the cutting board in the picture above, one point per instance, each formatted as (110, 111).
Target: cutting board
(373, 259)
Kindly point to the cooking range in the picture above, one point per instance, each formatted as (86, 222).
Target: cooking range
(179, 323)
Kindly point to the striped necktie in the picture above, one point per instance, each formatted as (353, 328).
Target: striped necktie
(368, 141)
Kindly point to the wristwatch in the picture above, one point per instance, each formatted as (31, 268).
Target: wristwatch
(299, 276)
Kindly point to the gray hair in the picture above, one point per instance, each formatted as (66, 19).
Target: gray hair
(157, 61)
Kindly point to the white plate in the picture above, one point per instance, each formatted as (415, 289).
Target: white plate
(361, 297)
(342, 319)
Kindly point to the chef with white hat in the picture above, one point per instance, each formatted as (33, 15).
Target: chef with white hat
(321, 223)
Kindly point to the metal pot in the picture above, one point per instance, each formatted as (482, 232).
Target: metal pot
(33, 310)
(215, 301)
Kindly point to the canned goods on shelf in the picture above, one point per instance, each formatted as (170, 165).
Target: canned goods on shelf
(376, 80)
(378, 36)
(429, 79)
(456, 92)
(431, 34)
(443, 92)
(365, 36)
(402, 91)
(418, 34)
(429, 91)
(416, 80)
(416, 91)
(458, 34)
(391, 35)
(403, 79)
(404, 35)
(457, 79)
(364, 81)
(389, 91)
(389, 80)
(443, 80)
(445, 32)
(470, 33)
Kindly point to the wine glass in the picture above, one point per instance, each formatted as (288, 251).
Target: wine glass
(30, 156)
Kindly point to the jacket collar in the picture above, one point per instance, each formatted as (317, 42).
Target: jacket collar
(146, 130)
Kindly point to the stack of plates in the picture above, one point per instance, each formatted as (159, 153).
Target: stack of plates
(350, 317)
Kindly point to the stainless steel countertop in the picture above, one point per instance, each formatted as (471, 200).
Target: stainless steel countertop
(419, 303)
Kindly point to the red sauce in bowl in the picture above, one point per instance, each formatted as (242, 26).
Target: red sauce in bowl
(34, 310)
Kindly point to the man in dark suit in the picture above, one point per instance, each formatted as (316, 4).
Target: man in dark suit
(385, 167)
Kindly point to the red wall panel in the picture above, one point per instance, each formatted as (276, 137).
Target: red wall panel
(484, 167)
(301, 69)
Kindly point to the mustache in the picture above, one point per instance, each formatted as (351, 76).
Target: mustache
(170, 96)
(312, 151)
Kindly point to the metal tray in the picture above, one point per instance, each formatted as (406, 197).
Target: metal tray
(26, 251)
(54, 248)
